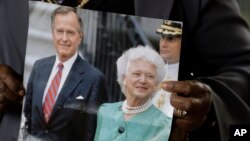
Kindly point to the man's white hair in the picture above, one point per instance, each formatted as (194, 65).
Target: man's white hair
(145, 53)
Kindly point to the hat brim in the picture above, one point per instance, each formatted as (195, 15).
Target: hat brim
(168, 30)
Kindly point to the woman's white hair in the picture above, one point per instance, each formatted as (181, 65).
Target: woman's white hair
(146, 53)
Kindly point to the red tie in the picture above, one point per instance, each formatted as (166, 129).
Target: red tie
(51, 94)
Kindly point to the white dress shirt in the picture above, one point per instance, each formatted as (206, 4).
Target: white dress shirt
(161, 98)
(66, 68)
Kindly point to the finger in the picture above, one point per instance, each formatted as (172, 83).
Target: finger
(15, 86)
(8, 94)
(4, 69)
(188, 104)
(187, 123)
(187, 88)
(12, 79)
(2, 86)
(177, 86)
(1, 97)
(190, 121)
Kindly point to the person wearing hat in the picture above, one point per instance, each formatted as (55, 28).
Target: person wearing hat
(169, 49)
(170, 45)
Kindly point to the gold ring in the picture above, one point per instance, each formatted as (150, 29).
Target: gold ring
(179, 113)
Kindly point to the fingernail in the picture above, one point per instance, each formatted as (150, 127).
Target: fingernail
(167, 85)
(162, 85)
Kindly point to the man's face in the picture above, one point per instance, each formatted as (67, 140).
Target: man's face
(67, 35)
(170, 49)
(140, 79)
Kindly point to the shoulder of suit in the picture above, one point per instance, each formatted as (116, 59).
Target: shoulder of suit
(43, 60)
(93, 71)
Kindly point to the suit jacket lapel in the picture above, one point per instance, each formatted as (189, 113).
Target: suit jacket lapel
(45, 70)
(150, 8)
(74, 77)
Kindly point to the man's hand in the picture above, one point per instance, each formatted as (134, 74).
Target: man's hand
(191, 100)
(11, 88)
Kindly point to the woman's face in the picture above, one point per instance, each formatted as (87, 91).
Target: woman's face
(140, 79)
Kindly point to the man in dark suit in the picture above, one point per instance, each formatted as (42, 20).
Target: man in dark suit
(62, 101)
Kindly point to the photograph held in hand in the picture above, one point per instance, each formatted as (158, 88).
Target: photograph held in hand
(106, 36)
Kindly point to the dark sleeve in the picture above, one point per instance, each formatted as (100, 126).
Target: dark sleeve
(216, 49)
(153, 8)
(98, 96)
(114, 6)
(13, 35)
(13, 28)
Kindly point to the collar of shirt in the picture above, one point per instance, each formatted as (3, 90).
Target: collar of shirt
(172, 71)
(67, 64)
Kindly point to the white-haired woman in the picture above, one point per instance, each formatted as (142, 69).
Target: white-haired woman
(139, 72)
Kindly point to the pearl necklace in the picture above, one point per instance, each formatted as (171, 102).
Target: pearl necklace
(83, 2)
(135, 110)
